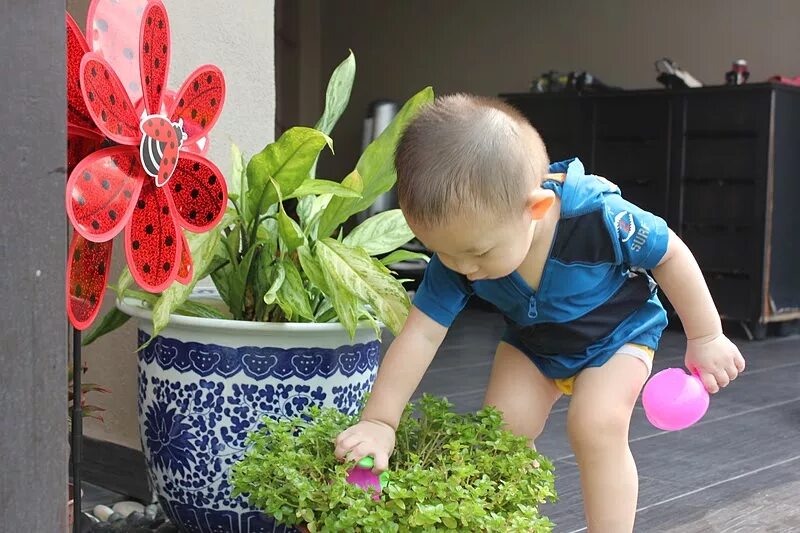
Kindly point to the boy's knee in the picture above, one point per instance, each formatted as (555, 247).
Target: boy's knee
(596, 428)
(523, 422)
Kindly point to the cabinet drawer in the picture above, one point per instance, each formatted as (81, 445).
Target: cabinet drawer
(720, 203)
(722, 250)
(642, 117)
(730, 112)
(722, 158)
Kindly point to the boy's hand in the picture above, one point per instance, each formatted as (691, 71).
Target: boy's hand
(715, 359)
(367, 438)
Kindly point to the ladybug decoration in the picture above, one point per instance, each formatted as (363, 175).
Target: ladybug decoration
(158, 151)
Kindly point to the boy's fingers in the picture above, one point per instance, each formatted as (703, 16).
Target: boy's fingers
(739, 362)
(709, 382)
(722, 378)
(344, 434)
(732, 372)
(358, 453)
(346, 445)
(381, 462)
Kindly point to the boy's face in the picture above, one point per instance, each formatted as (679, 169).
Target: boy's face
(479, 246)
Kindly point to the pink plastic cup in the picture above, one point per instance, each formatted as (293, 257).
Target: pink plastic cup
(362, 476)
(674, 400)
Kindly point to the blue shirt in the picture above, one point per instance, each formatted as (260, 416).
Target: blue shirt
(594, 295)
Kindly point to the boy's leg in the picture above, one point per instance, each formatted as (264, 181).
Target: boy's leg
(520, 391)
(598, 420)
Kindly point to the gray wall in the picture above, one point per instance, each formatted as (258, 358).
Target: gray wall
(499, 46)
(33, 381)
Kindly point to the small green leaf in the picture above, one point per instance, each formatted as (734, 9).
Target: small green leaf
(198, 309)
(235, 182)
(309, 210)
(278, 277)
(288, 161)
(112, 320)
(381, 234)
(337, 94)
(292, 295)
(355, 272)
(291, 235)
(238, 283)
(316, 186)
(403, 255)
(312, 268)
(339, 210)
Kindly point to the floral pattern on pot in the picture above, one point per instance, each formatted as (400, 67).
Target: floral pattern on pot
(198, 402)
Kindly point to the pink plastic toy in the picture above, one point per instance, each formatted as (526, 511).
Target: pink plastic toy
(362, 476)
(674, 400)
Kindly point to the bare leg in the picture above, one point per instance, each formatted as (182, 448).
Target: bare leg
(598, 422)
(520, 391)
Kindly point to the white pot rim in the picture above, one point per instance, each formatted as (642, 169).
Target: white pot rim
(137, 308)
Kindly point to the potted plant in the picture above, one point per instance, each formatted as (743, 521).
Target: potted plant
(294, 321)
(449, 472)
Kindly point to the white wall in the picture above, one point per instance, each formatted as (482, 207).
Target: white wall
(238, 38)
(499, 46)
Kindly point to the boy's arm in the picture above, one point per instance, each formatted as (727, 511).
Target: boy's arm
(709, 353)
(401, 371)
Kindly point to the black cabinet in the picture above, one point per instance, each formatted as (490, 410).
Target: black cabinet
(720, 164)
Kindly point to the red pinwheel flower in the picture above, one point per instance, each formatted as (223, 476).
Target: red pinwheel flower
(149, 184)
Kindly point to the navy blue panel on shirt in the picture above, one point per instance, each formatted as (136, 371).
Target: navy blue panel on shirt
(584, 239)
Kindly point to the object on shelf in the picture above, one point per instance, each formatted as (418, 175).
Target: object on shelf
(739, 73)
(672, 76)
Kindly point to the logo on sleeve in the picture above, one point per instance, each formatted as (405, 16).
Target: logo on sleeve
(626, 227)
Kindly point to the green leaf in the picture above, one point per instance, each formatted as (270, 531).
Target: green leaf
(292, 295)
(202, 247)
(381, 234)
(338, 209)
(112, 320)
(351, 270)
(315, 186)
(337, 95)
(199, 309)
(291, 235)
(309, 209)
(125, 280)
(375, 166)
(312, 268)
(278, 277)
(238, 284)
(288, 161)
(403, 255)
(235, 182)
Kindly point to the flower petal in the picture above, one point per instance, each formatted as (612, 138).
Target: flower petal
(186, 268)
(198, 192)
(199, 102)
(154, 55)
(151, 240)
(113, 29)
(87, 274)
(108, 103)
(102, 192)
(80, 143)
(77, 112)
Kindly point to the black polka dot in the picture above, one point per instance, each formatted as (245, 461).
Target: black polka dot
(160, 24)
(196, 85)
(81, 201)
(93, 299)
(112, 215)
(193, 214)
(112, 99)
(169, 134)
(95, 224)
(209, 78)
(209, 216)
(105, 74)
(146, 268)
(178, 187)
(78, 290)
(203, 122)
(105, 184)
(146, 48)
(104, 115)
(158, 88)
(147, 80)
(150, 123)
(164, 48)
(86, 175)
(127, 193)
(157, 62)
(166, 266)
(220, 196)
(119, 129)
(77, 255)
(173, 160)
(91, 245)
(101, 269)
(158, 132)
(148, 229)
(90, 94)
(196, 167)
(165, 176)
(165, 210)
(149, 21)
(94, 72)
(195, 193)
(213, 102)
(168, 241)
(140, 204)
(180, 102)
(161, 121)
(135, 245)
(172, 144)
(194, 113)
(212, 179)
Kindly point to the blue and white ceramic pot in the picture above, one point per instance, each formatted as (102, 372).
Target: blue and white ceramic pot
(204, 384)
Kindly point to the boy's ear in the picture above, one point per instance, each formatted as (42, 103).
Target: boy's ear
(539, 203)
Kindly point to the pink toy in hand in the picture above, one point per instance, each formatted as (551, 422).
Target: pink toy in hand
(674, 400)
(362, 476)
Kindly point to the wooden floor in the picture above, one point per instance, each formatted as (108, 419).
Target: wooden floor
(736, 471)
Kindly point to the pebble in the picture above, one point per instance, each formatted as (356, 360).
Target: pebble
(102, 512)
(126, 508)
(102, 527)
(137, 519)
(115, 517)
(167, 528)
(151, 511)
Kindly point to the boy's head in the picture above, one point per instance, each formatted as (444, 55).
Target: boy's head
(469, 171)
